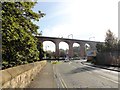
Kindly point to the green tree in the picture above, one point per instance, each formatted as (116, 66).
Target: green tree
(62, 53)
(100, 47)
(76, 51)
(40, 49)
(19, 44)
(110, 41)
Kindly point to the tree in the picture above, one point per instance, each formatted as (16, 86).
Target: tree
(62, 53)
(19, 44)
(76, 51)
(40, 49)
(100, 47)
(110, 41)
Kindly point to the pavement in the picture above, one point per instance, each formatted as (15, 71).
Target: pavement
(44, 79)
(100, 66)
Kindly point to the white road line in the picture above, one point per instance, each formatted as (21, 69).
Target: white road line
(74, 66)
(100, 76)
(109, 79)
(89, 72)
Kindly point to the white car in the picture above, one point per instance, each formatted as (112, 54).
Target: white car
(66, 60)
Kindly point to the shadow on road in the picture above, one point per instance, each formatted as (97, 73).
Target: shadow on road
(82, 69)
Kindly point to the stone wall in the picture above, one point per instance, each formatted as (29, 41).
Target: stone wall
(20, 76)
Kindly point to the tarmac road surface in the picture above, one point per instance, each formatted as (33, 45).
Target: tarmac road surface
(76, 75)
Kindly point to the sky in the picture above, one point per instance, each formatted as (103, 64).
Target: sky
(84, 19)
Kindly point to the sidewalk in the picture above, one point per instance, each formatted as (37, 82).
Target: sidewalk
(100, 66)
(45, 79)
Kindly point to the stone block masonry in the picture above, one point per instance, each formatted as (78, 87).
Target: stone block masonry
(20, 76)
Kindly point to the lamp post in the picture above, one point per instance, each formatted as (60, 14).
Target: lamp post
(70, 35)
(91, 37)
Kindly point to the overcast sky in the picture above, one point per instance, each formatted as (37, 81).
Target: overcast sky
(84, 19)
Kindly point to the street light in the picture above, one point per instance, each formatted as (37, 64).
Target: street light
(91, 37)
(60, 36)
(70, 35)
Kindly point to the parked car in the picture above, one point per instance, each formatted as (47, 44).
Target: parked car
(66, 60)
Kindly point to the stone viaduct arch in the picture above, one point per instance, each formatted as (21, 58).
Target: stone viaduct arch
(70, 43)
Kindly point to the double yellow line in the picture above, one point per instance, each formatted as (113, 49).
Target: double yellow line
(60, 78)
(62, 81)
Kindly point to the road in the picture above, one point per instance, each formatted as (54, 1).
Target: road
(76, 75)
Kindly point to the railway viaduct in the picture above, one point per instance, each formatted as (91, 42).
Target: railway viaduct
(70, 43)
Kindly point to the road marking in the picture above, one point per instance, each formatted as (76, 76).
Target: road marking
(100, 75)
(55, 76)
(62, 81)
(89, 72)
(109, 79)
(69, 62)
(59, 78)
(74, 66)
